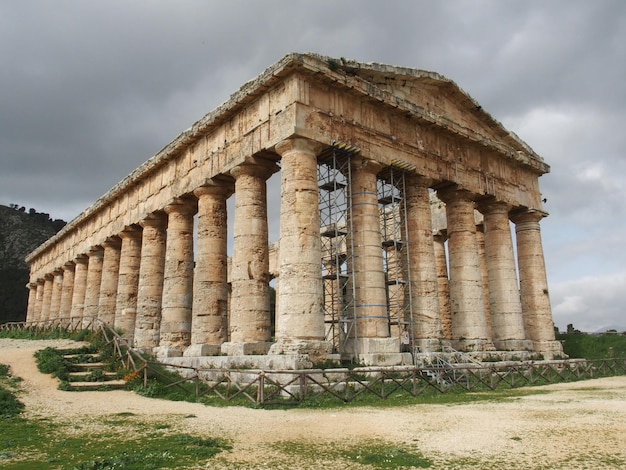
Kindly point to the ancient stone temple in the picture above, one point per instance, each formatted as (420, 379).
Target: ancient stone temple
(398, 194)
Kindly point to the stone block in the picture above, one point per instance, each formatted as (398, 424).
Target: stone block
(377, 346)
(385, 359)
(167, 351)
(198, 350)
(246, 349)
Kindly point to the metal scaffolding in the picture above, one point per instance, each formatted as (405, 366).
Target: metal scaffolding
(337, 250)
(393, 227)
(336, 230)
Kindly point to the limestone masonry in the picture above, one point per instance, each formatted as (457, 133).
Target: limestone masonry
(397, 195)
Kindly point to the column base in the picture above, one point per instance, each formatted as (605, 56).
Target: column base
(246, 349)
(200, 350)
(425, 345)
(549, 349)
(513, 345)
(377, 352)
(471, 345)
(317, 350)
(167, 351)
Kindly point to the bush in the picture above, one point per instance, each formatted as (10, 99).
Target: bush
(10, 406)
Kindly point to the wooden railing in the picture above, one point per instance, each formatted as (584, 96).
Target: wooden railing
(265, 387)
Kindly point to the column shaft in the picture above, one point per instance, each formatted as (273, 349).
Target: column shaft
(94, 278)
(46, 298)
(536, 309)
(110, 277)
(300, 318)
(32, 301)
(250, 307)
(150, 287)
(369, 275)
(128, 281)
(423, 267)
(67, 290)
(469, 326)
(443, 286)
(209, 325)
(482, 258)
(80, 288)
(39, 300)
(507, 323)
(55, 299)
(175, 331)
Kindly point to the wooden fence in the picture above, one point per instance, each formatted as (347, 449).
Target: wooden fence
(285, 387)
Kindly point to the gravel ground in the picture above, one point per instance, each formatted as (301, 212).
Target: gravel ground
(570, 425)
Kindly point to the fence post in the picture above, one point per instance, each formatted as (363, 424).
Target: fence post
(260, 395)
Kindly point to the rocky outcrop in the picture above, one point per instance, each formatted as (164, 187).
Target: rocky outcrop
(21, 231)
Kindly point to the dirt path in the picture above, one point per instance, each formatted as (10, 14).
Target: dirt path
(574, 425)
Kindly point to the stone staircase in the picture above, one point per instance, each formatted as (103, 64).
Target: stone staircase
(91, 375)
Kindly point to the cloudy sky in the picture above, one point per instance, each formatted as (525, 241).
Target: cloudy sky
(90, 90)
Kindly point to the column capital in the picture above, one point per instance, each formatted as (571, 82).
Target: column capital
(419, 180)
(254, 166)
(155, 219)
(81, 259)
(216, 186)
(96, 251)
(69, 266)
(298, 144)
(454, 193)
(112, 242)
(490, 204)
(523, 215)
(182, 205)
(41, 281)
(366, 165)
(50, 276)
(131, 232)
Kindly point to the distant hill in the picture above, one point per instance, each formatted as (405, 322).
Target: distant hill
(21, 231)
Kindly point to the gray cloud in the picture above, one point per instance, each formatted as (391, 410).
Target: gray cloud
(90, 90)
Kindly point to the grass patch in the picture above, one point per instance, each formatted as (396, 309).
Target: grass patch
(372, 453)
(130, 445)
(10, 406)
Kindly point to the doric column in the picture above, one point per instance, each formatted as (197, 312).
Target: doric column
(469, 326)
(538, 323)
(39, 299)
(55, 299)
(80, 287)
(175, 334)
(67, 290)
(423, 267)
(110, 276)
(507, 323)
(150, 287)
(94, 278)
(128, 281)
(249, 306)
(300, 317)
(372, 328)
(443, 286)
(209, 323)
(482, 258)
(32, 301)
(46, 298)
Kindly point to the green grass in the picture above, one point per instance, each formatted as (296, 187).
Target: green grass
(10, 406)
(371, 453)
(125, 442)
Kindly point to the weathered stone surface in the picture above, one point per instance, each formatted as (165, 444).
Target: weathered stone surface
(299, 113)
